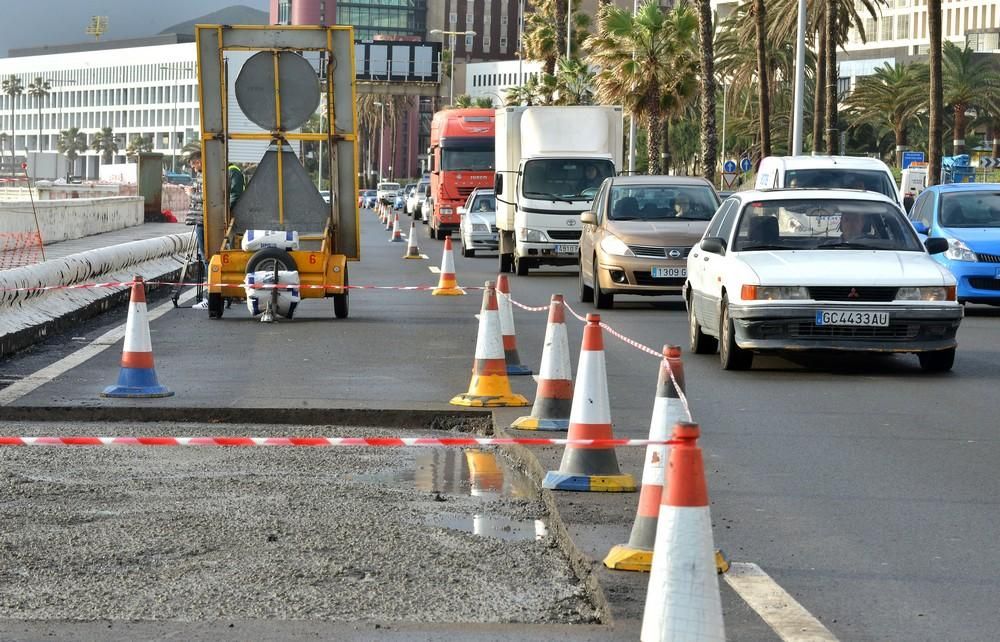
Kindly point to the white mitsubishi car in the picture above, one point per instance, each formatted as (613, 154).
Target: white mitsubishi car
(818, 270)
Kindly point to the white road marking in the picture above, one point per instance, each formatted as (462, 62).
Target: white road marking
(535, 377)
(434, 269)
(425, 257)
(476, 315)
(21, 388)
(789, 619)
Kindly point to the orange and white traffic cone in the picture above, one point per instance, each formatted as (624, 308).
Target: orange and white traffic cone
(637, 555)
(447, 284)
(412, 251)
(388, 218)
(682, 600)
(554, 394)
(489, 386)
(397, 234)
(514, 366)
(137, 376)
(590, 468)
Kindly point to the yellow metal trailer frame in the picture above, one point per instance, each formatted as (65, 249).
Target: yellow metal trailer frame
(326, 263)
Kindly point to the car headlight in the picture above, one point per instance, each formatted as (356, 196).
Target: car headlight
(615, 246)
(927, 293)
(530, 236)
(480, 227)
(959, 251)
(773, 293)
(446, 210)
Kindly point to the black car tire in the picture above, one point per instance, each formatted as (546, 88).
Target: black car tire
(731, 356)
(602, 300)
(341, 302)
(699, 342)
(521, 266)
(937, 361)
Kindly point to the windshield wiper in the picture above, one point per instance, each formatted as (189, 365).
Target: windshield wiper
(847, 245)
(623, 218)
(554, 197)
(763, 246)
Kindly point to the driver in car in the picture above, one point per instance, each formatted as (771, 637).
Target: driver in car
(590, 179)
(854, 226)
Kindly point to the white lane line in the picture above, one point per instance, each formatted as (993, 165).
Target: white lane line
(41, 377)
(789, 619)
(535, 377)
(434, 269)
(476, 315)
(425, 257)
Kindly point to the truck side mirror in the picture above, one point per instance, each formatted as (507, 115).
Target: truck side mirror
(498, 183)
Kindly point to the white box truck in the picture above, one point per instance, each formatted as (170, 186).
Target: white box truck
(550, 162)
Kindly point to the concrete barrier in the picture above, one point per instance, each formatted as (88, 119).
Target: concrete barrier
(64, 220)
(27, 316)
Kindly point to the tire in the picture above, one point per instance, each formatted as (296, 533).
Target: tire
(602, 300)
(521, 266)
(731, 356)
(699, 342)
(506, 262)
(265, 259)
(937, 361)
(215, 305)
(467, 253)
(586, 292)
(341, 302)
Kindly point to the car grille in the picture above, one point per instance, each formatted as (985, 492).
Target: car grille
(983, 283)
(902, 331)
(493, 228)
(564, 235)
(646, 278)
(652, 252)
(988, 258)
(849, 293)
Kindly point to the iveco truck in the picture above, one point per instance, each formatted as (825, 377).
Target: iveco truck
(550, 162)
(461, 159)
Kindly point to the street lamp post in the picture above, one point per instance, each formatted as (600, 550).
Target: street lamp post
(800, 75)
(631, 119)
(381, 136)
(173, 140)
(451, 43)
(569, 27)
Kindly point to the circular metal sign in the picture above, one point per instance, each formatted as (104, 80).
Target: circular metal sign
(298, 87)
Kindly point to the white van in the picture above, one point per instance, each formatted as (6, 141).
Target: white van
(387, 191)
(827, 172)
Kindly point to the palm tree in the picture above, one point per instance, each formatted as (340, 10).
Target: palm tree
(763, 97)
(13, 87)
(574, 82)
(72, 142)
(530, 93)
(138, 145)
(462, 101)
(832, 95)
(106, 143)
(708, 137)
(647, 64)
(936, 92)
(969, 82)
(892, 97)
(483, 102)
(38, 89)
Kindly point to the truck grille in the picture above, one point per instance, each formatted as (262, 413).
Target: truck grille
(652, 252)
(465, 192)
(988, 258)
(901, 331)
(983, 283)
(848, 293)
(564, 235)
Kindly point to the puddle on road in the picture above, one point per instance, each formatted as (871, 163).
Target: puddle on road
(475, 473)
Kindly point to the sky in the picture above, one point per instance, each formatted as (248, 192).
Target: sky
(30, 23)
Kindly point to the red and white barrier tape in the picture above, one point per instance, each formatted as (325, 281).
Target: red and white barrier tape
(256, 286)
(389, 442)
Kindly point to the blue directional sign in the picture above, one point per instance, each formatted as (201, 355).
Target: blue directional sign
(745, 164)
(729, 166)
(912, 157)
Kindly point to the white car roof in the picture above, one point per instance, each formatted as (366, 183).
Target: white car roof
(824, 162)
(817, 194)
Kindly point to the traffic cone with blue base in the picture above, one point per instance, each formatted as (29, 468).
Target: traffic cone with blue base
(137, 376)
(489, 387)
(554, 394)
(514, 366)
(637, 555)
(682, 600)
(447, 284)
(584, 467)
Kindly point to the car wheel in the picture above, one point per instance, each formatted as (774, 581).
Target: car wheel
(937, 361)
(215, 305)
(602, 300)
(731, 355)
(700, 343)
(586, 292)
(467, 253)
(270, 258)
(341, 302)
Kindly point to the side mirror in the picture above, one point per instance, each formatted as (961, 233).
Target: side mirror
(920, 227)
(461, 211)
(498, 183)
(936, 245)
(588, 218)
(714, 244)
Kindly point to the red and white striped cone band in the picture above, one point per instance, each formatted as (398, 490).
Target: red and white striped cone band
(554, 395)
(138, 349)
(397, 233)
(388, 220)
(447, 283)
(514, 366)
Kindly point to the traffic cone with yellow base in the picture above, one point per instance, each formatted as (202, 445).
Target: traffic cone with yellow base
(447, 284)
(514, 366)
(489, 387)
(554, 394)
(590, 467)
(137, 376)
(637, 555)
(412, 251)
(682, 600)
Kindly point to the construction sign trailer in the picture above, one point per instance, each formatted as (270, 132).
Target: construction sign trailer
(280, 231)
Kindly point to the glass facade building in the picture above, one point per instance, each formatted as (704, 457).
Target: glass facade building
(372, 18)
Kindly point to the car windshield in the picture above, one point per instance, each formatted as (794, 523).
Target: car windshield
(371, 192)
(834, 178)
(565, 179)
(970, 209)
(467, 159)
(662, 202)
(388, 187)
(823, 224)
(483, 203)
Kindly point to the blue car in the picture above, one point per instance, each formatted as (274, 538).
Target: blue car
(968, 216)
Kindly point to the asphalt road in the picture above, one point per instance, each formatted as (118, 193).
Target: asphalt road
(866, 488)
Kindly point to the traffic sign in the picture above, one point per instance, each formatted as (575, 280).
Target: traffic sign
(989, 163)
(912, 157)
(745, 164)
(729, 167)
(729, 180)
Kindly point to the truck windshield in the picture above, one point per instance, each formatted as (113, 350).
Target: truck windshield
(565, 179)
(467, 159)
(833, 178)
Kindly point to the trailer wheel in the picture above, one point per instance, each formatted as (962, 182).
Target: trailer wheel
(215, 305)
(341, 301)
(269, 259)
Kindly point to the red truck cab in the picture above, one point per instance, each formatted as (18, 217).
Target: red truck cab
(461, 159)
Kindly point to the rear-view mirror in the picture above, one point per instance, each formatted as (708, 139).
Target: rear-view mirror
(498, 183)
(936, 245)
(588, 218)
(714, 244)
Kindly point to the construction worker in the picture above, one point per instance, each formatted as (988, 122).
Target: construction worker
(237, 183)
